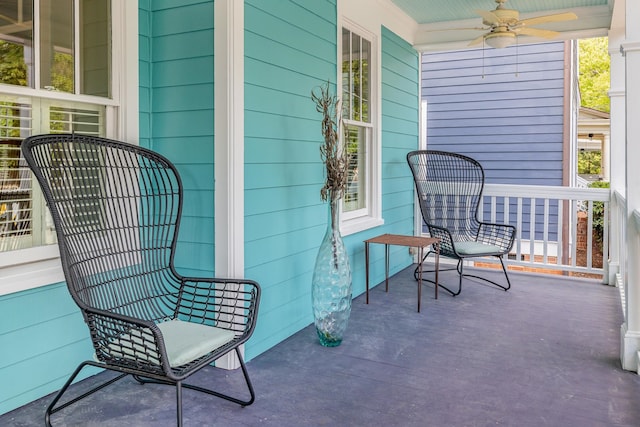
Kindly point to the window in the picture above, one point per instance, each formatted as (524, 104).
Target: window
(56, 75)
(72, 49)
(360, 202)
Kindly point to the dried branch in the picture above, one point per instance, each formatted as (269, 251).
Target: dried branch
(333, 155)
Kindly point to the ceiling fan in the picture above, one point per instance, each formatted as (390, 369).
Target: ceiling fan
(504, 25)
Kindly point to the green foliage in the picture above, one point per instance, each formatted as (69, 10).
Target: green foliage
(598, 212)
(589, 162)
(62, 72)
(13, 70)
(594, 73)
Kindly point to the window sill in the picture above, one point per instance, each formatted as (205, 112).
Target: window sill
(357, 225)
(29, 268)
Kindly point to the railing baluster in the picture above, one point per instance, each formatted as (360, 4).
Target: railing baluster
(545, 233)
(554, 232)
(532, 230)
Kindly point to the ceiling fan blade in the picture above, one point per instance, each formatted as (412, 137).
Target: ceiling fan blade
(568, 16)
(489, 18)
(536, 32)
(437, 30)
(476, 41)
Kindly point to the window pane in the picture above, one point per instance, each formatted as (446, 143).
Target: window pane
(355, 195)
(24, 220)
(356, 88)
(16, 42)
(15, 178)
(95, 48)
(56, 45)
(346, 73)
(365, 87)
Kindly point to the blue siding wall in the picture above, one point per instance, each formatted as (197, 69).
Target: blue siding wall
(42, 335)
(506, 110)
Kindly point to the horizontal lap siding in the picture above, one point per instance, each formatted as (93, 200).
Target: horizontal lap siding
(507, 111)
(400, 127)
(42, 340)
(511, 123)
(182, 117)
(290, 48)
(42, 335)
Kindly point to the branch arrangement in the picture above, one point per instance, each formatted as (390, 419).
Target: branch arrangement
(332, 154)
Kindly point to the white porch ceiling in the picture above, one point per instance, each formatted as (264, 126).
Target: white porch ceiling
(437, 20)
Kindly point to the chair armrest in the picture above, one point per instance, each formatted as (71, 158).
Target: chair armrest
(126, 341)
(500, 235)
(230, 304)
(446, 240)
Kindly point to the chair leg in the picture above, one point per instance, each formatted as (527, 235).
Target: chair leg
(504, 269)
(179, 403)
(459, 268)
(241, 402)
(51, 409)
(227, 397)
(415, 274)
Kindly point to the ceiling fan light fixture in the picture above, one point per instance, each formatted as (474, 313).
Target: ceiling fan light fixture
(500, 40)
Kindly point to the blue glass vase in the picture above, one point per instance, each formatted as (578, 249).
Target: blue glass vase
(331, 284)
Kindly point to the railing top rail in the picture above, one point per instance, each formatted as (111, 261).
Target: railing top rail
(548, 192)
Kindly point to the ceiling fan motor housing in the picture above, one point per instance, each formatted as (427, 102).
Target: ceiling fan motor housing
(507, 17)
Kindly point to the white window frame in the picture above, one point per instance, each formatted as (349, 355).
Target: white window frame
(370, 216)
(40, 266)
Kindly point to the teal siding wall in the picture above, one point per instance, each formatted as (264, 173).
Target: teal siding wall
(290, 47)
(182, 117)
(400, 127)
(42, 340)
(42, 335)
(144, 74)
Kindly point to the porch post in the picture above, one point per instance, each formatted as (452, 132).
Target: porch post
(616, 158)
(631, 51)
(229, 145)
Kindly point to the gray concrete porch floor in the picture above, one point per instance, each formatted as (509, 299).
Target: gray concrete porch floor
(544, 353)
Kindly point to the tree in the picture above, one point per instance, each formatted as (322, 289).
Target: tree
(589, 162)
(13, 70)
(594, 72)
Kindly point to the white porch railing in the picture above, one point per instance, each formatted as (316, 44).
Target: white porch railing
(554, 227)
(618, 246)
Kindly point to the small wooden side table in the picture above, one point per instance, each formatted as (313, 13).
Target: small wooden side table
(402, 240)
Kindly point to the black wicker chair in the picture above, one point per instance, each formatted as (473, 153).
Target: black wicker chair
(116, 208)
(449, 188)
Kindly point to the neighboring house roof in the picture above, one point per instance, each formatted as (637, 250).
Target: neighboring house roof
(593, 129)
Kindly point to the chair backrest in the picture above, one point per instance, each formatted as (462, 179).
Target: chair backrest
(449, 188)
(116, 208)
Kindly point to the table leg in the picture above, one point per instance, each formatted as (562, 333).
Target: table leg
(437, 248)
(420, 250)
(366, 269)
(386, 267)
